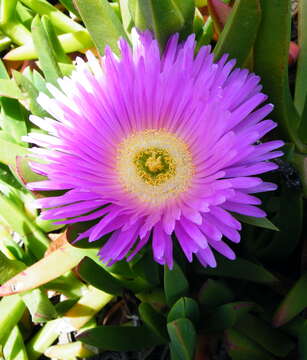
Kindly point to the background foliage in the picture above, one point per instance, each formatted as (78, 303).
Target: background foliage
(58, 299)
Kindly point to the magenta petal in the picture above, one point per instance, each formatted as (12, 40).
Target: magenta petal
(207, 117)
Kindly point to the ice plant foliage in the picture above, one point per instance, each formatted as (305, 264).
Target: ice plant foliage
(155, 148)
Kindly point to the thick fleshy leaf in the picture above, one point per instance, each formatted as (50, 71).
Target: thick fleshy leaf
(273, 38)
(12, 113)
(302, 342)
(120, 338)
(70, 350)
(11, 309)
(70, 42)
(7, 10)
(238, 35)
(289, 220)
(226, 316)
(97, 276)
(175, 284)
(50, 267)
(101, 22)
(206, 35)
(264, 223)
(35, 241)
(61, 21)
(241, 347)
(14, 117)
(294, 302)
(54, 42)
(154, 320)
(70, 6)
(300, 162)
(40, 307)
(125, 15)
(45, 53)
(10, 23)
(301, 72)
(9, 151)
(8, 88)
(183, 338)
(240, 269)
(184, 308)
(91, 302)
(6, 177)
(163, 18)
(14, 348)
(214, 293)
(24, 173)
(9, 268)
(30, 93)
(147, 269)
(272, 340)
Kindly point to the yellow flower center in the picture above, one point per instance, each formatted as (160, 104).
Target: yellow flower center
(154, 165)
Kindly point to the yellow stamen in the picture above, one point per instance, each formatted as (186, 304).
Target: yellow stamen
(154, 165)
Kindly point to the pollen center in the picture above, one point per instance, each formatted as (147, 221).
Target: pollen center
(154, 165)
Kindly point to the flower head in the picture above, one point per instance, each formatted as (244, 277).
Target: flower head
(155, 148)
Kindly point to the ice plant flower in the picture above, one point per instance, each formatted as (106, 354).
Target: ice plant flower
(155, 148)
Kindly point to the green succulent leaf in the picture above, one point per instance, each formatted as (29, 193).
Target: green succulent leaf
(294, 302)
(30, 93)
(61, 21)
(239, 269)
(214, 293)
(238, 36)
(9, 268)
(289, 220)
(13, 119)
(273, 38)
(14, 347)
(11, 309)
(70, 6)
(102, 23)
(45, 52)
(120, 338)
(272, 340)
(163, 18)
(184, 308)
(97, 276)
(259, 222)
(242, 348)
(9, 88)
(147, 269)
(226, 316)
(36, 242)
(40, 307)
(206, 35)
(301, 72)
(183, 338)
(154, 320)
(175, 284)
(58, 50)
(302, 342)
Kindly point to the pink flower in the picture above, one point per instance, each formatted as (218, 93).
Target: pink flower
(155, 148)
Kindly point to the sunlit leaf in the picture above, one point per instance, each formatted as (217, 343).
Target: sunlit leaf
(238, 36)
(101, 22)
